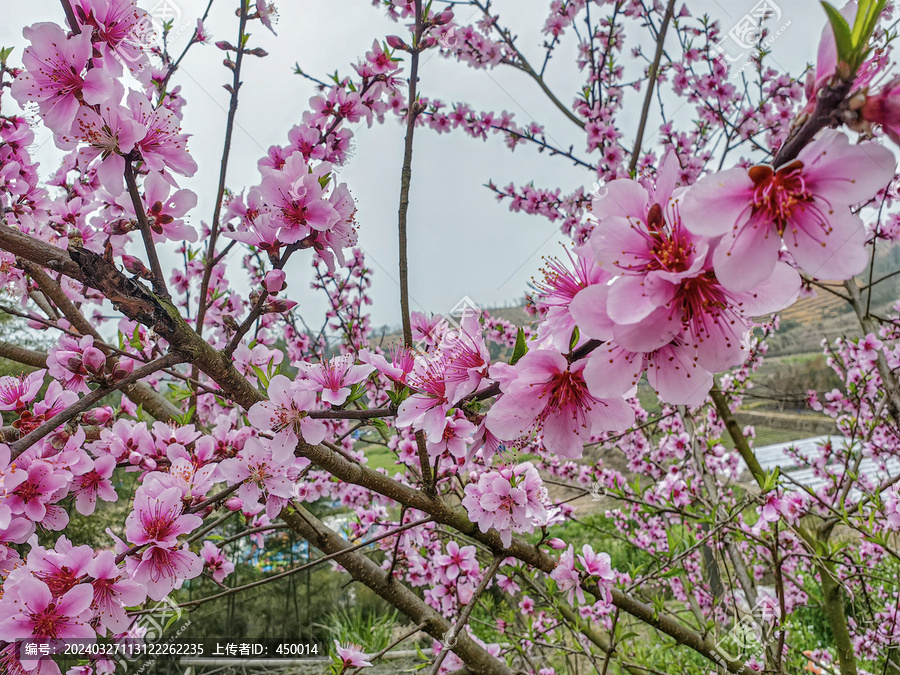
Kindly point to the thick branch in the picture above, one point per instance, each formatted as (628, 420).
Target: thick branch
(737, 436)
(364, 570)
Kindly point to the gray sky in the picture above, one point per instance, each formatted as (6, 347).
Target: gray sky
(462, 242)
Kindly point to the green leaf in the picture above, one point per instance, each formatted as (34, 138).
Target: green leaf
(520, 349)
(186, 417)
(864, 11)
(357, 391)
(4, 53)
(842, 33)
(263, 378)
(135, 340)
(771, 480)
(573, 341)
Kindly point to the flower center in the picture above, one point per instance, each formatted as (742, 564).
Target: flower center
(778, 193)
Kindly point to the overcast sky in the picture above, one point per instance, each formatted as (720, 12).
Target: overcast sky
(462, 242)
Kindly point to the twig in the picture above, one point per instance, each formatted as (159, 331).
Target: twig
(317, 561)
(159, 282)
(449, 640)
(86, 402)
(651, 82)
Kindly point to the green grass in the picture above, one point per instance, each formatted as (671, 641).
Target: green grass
(380, 458)
(770, 436)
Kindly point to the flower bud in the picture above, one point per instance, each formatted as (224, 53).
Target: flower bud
(133, 265)
(98, 416)
(394, 42)
(94, 360)
(274, 281)
(443, 18)
(122, 369)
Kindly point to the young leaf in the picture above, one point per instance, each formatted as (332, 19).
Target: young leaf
(260, 373)
(842, 33)
(520, 349)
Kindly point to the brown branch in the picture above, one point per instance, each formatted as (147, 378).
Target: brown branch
(159, 281)
(223, 169)
(412, 111)
(737, 436)
(397, 594)
(23, 355)
(652, 74)
(829, 98)
(450, 638)
(70, 15)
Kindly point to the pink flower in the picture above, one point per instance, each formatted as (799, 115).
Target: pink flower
(559, 286)
(266, 11)
(165, 212)
(457, 561)
(30, 491)
(109, 134)
(335, 377)
(261, 231)
(804, 204)
(163, 147)
(464, 358)
(17, 392)
(37, 614)
(455, 439)
(159, 518)
(54, 75)
(113, 592)
(201, 33)
(95, 482)
(549, 394)
(120, 28)
(567, 577)
(402, 363)
(427, 331)
(883, 108)
(215, 561)
(259, 468)
(672, 371)
(350, 656)
(285, 411)
(161, 569)
(771, 509)
(665, 293)
(598, 565)
(73, 362)
(298, 199)
(274, 281)
(509, 500)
